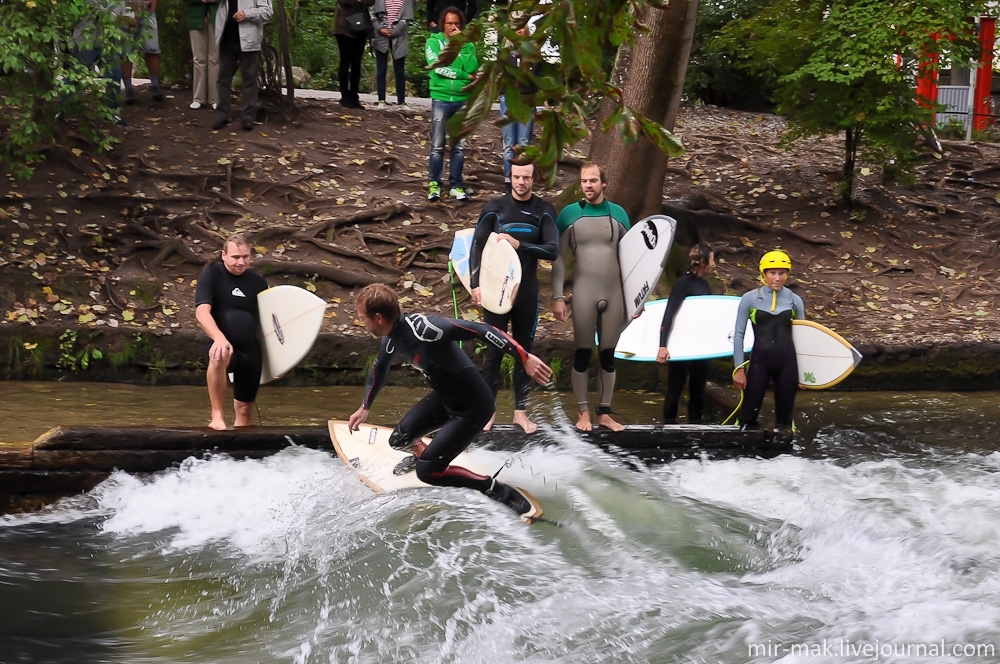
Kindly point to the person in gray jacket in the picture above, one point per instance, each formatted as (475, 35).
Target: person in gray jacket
(390, 18)
(239, 33)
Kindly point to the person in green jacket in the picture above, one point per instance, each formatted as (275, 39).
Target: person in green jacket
(448, 94)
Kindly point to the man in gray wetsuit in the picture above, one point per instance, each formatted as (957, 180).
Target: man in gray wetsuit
(590, 230)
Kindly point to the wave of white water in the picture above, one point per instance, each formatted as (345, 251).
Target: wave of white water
(291, 559)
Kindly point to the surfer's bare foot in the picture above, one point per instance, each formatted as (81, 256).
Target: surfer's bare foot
(521, 420)
(608, 422)
(583, 421)
(489, 425)
(217, 423)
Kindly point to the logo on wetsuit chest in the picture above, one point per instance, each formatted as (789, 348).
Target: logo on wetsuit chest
(237, 292)
(423, 329)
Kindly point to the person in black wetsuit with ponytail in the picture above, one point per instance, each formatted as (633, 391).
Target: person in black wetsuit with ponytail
(528, 224)
(771, 309)
(694, 372)
(460, 402)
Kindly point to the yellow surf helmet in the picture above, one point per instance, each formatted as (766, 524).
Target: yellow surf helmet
(775, 260)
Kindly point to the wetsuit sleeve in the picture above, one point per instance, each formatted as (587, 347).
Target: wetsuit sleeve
(680, 291)
(488, 220)
(203, 291)
(559, 267)
(799, 306)
(548, 248)
(742, 319)
(464, 330)
(378, 374)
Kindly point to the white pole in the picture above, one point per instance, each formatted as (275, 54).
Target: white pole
(972, 91)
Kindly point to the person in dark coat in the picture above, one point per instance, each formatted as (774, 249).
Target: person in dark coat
(351, 42)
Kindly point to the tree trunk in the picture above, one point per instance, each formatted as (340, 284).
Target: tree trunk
(286, 55)
(651, 76)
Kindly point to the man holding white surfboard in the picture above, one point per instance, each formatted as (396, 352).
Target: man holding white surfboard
(226, 309)
(460, 402)
(771, 308)
(528, 224)
(590, 230)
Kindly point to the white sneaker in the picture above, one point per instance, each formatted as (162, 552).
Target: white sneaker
(458, 193)
(215, 107)
(403, 107)
(380, 106)
(195, 105)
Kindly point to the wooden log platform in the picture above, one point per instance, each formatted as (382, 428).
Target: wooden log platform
(67, 461)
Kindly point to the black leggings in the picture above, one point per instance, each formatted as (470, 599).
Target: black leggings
(778, 363)
(352, 50)
(523, 321)
(398, 71)
(457, 423)
(678, 373)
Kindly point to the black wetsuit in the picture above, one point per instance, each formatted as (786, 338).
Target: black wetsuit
(533, 224)
(773, 356)
(234, 308)
(461, 402)
(680, 371)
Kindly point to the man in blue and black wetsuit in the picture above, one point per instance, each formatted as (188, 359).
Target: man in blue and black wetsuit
(528, 224)
(460, 402)
(771, 309)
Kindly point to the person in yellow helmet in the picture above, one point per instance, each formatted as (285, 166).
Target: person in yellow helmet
(770, 308)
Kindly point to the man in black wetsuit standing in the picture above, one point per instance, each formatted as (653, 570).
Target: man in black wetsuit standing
(528, 224)
(460, 402)
(226, 309)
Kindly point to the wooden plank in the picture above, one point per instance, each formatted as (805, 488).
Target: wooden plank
(11, 457)
(48, 481)
(176, 438)
(132, 461)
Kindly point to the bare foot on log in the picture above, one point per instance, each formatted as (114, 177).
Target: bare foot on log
(607, 422)
(521, 420)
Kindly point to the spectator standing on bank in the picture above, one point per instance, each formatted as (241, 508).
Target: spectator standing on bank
(239, 34)
(391, 40)
(448, 94)
(148, 31)
(469, 9)
(204, 51)
(88, 49)
(352, 26)
(517, 133)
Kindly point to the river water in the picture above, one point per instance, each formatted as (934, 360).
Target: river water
(875, 541)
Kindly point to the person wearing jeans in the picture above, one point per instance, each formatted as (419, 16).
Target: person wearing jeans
(517, 133)
(448, 94)
(391, 40)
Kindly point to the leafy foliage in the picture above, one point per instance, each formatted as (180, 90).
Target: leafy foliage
(564, 58)
(713, 76)
(43, 86)
(849, 66)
